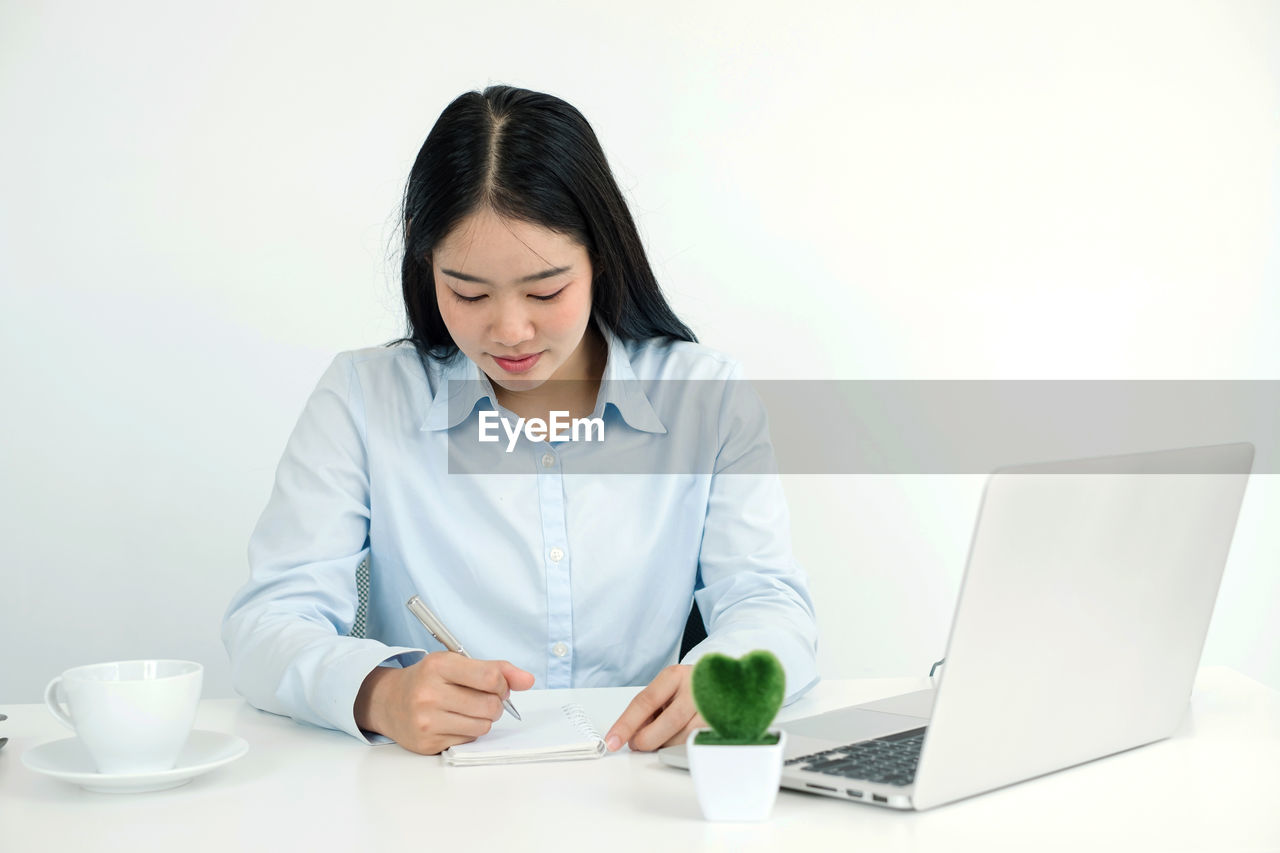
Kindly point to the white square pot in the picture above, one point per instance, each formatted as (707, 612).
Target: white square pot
(736, 782)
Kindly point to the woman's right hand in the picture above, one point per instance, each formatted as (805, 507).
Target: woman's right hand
(442, 700)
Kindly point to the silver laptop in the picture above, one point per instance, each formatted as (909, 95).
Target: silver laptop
(1077, 633)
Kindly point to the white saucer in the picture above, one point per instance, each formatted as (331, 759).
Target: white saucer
(69, 761)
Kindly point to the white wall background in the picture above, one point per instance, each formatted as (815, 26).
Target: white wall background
(197, 210)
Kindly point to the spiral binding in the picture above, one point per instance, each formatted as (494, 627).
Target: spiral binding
(579, 718)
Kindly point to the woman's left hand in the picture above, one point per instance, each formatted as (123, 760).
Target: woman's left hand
(662, 714)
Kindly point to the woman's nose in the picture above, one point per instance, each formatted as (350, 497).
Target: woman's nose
(511, 326)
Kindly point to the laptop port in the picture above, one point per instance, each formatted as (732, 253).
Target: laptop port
(851, 792)
(820, 787)
(878, 798)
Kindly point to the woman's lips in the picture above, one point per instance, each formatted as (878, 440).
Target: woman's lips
(518, 365)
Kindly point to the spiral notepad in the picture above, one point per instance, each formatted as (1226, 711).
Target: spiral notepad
(559, 733)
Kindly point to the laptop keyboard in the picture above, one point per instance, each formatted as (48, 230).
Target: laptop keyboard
(888, 760)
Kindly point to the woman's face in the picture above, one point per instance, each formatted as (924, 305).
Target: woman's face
(516, 298)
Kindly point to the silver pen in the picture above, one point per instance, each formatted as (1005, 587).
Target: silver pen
(450, 642)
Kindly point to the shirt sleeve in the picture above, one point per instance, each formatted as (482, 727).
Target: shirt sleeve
(753, 594)
(285, 629)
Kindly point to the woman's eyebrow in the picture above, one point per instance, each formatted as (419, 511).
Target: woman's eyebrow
(538, 276)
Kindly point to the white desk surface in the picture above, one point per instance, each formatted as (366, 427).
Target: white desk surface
(1215, 786)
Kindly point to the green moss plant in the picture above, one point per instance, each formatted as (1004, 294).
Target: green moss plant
(738, 697)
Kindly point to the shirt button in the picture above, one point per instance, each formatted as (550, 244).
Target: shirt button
(559, 650)
(548, 461)
(556, 555)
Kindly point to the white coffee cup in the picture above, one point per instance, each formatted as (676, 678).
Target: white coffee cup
(133, 716)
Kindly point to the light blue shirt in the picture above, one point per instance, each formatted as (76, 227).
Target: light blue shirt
(580, 576)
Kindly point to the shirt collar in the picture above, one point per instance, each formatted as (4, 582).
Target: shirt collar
(463, 385)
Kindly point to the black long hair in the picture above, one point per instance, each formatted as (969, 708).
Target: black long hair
(533, 157)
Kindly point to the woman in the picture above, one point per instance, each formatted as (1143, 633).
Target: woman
(558, 562)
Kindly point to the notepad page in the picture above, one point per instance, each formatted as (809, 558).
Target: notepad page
(559, 732)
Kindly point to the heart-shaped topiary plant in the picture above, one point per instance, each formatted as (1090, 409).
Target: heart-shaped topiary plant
(738, 698)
